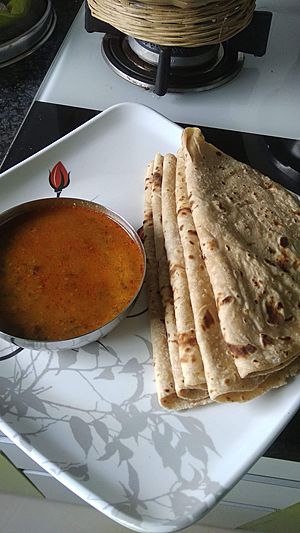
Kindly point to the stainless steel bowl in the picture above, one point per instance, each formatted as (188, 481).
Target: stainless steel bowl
(94, 335)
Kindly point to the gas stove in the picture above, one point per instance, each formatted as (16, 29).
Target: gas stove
(180, 69)
(263, 98)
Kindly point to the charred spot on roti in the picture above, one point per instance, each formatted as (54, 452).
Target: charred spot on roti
(157, 179)
(226, 300)
(284, 242)
(207, 321)
(289, 318)
(221, 207)
(184, 211)
(266, 340)
(274, 311)
(270, 262)
(187, 341)
(238, 350)
(212, 245)
(283, 263)
(296, 264)
(187, 338)
(267, 185)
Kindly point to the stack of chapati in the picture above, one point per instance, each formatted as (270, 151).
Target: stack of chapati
(223, 273)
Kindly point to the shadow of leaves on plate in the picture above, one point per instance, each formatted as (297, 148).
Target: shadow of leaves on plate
(112, 429)
(66, 359)
(78, 471)
(81, 433)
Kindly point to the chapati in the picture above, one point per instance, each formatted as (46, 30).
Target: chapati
(164, 380)
(189, 353)
(248, 229)
(165, 288)
(222, 377)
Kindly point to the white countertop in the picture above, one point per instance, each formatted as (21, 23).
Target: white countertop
(263, 98)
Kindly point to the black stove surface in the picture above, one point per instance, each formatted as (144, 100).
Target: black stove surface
(61, 119)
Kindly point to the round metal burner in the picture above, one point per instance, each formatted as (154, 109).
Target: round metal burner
(194, 69)
(203, 56)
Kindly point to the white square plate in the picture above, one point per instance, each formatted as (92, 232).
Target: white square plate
(90, 417)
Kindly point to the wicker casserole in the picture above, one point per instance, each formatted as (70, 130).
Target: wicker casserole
(176, 22)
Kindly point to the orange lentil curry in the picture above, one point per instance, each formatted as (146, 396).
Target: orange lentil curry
(65, 270)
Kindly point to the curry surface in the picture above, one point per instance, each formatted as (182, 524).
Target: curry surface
(65, 271)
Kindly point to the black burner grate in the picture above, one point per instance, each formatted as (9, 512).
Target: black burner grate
(180, 69)
(218, 70)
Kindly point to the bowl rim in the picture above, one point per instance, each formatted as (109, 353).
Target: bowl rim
(24, 207)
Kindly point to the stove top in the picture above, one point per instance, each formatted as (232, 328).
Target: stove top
(168, 70)
(263, 98)
(180, 68)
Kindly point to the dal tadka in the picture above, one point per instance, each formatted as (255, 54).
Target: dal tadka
(65, 269)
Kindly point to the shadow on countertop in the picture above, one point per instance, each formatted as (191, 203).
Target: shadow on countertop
(20, 81)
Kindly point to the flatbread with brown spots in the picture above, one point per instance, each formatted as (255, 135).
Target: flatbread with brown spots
(189, 353)
(163, 373)
(166, 292)
(249, 233)
(223, 380)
